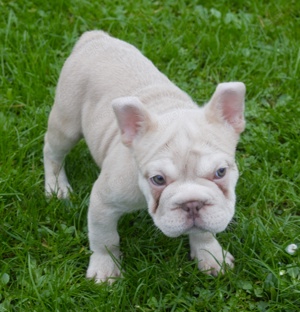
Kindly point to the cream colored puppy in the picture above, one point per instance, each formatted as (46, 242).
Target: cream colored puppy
(155, 147)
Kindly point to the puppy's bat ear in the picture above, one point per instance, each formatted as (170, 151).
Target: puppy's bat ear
(227, 105)
(133, 118)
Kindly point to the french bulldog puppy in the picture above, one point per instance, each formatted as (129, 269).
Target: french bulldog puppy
(156, 148)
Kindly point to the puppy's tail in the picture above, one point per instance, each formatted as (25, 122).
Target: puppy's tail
(87, 37)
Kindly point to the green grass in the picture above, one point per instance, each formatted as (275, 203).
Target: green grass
(44, 249)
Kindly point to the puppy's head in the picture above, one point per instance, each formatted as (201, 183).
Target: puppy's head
(186, 159)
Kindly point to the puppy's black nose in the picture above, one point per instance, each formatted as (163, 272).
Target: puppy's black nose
(192, 208)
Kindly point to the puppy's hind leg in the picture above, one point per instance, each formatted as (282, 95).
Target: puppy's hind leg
(62, 134)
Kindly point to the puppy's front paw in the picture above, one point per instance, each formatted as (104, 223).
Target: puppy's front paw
(214, 263)
(102, 268)
(212, 259)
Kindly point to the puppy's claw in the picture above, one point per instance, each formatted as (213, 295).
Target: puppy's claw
(99, 278)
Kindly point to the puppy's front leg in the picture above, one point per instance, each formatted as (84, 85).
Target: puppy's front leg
(207, 250)
(103, 237)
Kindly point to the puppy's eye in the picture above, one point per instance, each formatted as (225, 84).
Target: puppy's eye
(158, 180)
(220, 173)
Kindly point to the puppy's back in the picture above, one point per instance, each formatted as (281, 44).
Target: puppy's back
(88, 37)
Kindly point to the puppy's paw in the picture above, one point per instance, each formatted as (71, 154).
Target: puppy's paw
(212, 259)
(60, 190)
(214, 263)
(103, 268)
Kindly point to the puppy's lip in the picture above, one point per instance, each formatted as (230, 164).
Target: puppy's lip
(195, 229)
(194, 225)
(197, 224)
(188, 230)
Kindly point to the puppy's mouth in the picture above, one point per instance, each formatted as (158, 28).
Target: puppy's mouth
(191, 215)
(195, 225)
(194, 229)
(193, 221)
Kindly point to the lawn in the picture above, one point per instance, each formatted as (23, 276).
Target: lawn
(44, 248)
